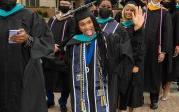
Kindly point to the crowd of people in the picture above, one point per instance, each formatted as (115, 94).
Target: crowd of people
(104, 62)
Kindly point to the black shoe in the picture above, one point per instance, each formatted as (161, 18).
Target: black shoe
(63, 108)
(50, 104)
(154, 106)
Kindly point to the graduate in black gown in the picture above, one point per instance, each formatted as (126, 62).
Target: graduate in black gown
(105, 18)
(89, 55)
(55, 69)
(158, 44)
(134, 95)
(176, 42)
(25, 38)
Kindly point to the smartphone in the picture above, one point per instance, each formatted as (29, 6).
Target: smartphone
(12, 33)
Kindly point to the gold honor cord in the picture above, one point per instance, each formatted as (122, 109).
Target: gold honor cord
(101, 91)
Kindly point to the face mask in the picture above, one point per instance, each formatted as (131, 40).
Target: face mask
(105, 13)
(7, 5)
(64, 9)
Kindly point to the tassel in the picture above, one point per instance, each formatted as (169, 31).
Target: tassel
(103, 100)
(83, 107)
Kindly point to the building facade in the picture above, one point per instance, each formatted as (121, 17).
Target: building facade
(45, 3)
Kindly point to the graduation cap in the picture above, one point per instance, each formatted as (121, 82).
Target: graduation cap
(82, 14)
(131, 2)
(135, 2)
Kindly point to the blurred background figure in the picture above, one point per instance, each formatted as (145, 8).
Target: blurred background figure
(55, 69)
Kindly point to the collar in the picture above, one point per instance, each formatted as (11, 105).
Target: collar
(127, 23)
(152, 6)
(17, 8)
(102, 20)
(84, 38)
(177, 6)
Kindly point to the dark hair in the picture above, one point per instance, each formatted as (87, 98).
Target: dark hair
(105, 0)
(96, 26)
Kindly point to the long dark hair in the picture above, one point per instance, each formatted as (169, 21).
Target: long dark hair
(96, 26)
(101, 41)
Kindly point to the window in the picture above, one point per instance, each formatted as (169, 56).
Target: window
(32, 3)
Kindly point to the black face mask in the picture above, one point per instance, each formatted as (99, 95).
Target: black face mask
(105, 13)
(7, 5)
(64, 9)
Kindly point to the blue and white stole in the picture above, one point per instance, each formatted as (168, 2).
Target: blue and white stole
(80, 75)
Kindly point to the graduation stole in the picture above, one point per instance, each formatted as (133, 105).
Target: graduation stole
(84, 38)
(177, 6)
(127, 24)
(151, 6)
(17, 8)
(80, 75)
(102, 20)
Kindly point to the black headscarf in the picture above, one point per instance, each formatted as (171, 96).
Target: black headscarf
(7, 5)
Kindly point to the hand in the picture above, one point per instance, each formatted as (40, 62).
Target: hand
(176, 50)
(20, 38)
(135, 69)
(56, 48)
(161, 57)
(138, 18)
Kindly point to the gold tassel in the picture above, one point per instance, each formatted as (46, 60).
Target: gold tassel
(82, 106)
(103, 100)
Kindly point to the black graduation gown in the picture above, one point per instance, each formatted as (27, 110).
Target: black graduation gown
(175, 43)
(22, 83)
(55, 69)
(134, 96)
(118, 64)
(153, 70)
(120, 61)
(69, 55)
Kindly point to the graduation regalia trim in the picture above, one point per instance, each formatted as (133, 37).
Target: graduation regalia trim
(127, 24)
(153, 8)
(17, 8)
(177, 6)
(80, 81)
(83, 38)
(102, 20)
(110, 25)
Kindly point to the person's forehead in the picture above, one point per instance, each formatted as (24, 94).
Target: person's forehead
(131, 7)
(85, 20)
(65, 3)
(108, 3)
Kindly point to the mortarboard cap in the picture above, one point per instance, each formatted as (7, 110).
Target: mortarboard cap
(135, 2)
(82, 14)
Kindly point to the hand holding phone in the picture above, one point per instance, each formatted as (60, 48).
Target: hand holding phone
(17, 36)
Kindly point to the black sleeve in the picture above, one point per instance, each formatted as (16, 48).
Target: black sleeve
(167, 41)
(119, 51)
(167, 33)
(123, 42)
(50, 22)
(42, 36)
(176, 27)
(70, 30)
(138, 47)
